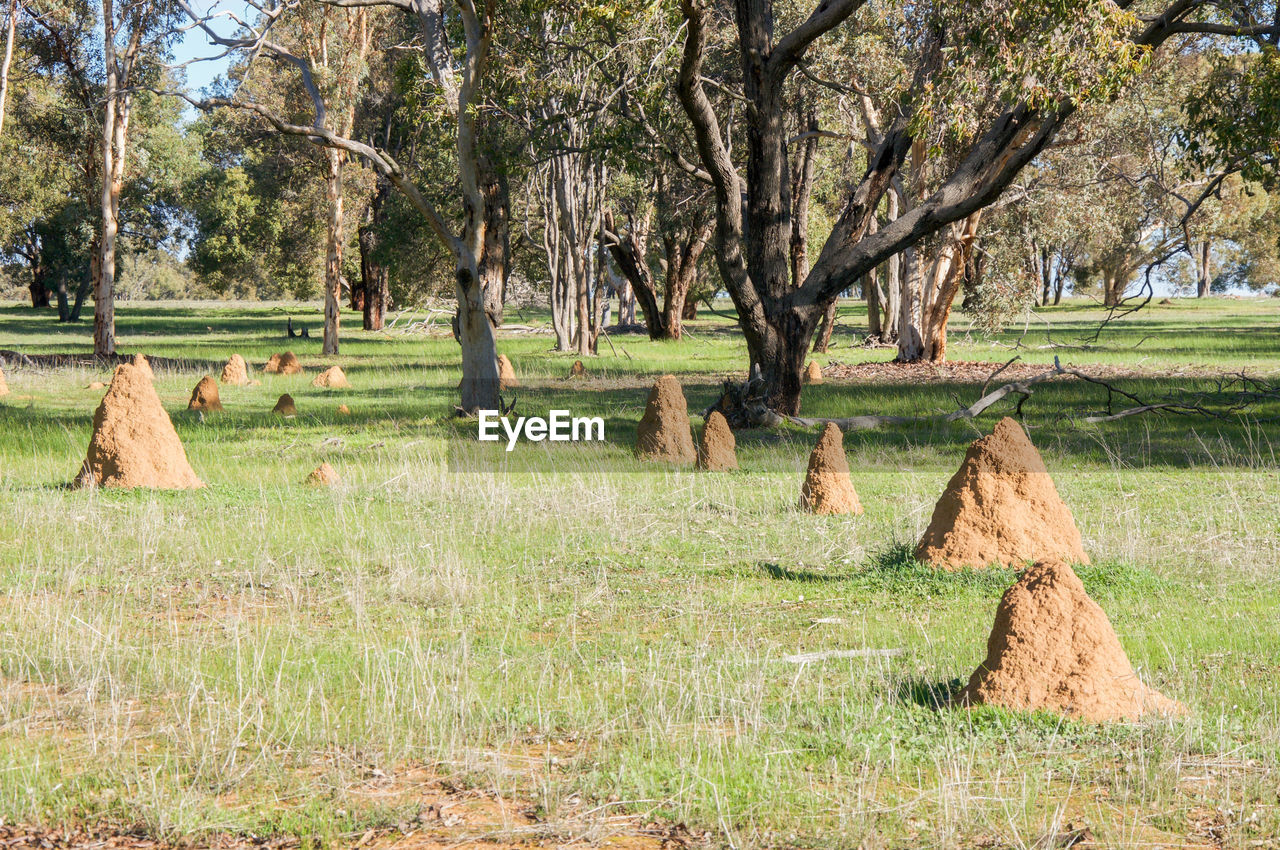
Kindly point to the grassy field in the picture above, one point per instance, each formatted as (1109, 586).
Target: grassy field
(563, 645)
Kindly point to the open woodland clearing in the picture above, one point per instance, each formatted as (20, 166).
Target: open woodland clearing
(566, 645)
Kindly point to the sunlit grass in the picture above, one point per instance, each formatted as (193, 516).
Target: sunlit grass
(245, 657)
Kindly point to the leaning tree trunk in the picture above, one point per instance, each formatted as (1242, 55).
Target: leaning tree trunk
(822, 340)
(333, 250)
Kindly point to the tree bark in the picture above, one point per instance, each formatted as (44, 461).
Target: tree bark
(1203, 276)
(336, 161)
(114, 135)
(374, 282)
(822, 339)
(11, 26)
(497, 240)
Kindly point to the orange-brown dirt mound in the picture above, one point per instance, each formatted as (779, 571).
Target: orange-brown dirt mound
(664, 432)
(205, 395)
(145, 365)
(333, 378)
(506, 374)
(285, 363)
(343, 410)
(1053, 648)
(577, 370)
(827, 487)
(813, 373)
(133, 443)
(324, 475)
(4, 387)
(1000, 508)
(285, 406)
(236, 372)
(718, 450)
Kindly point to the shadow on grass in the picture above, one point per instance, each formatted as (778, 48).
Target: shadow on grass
(781, 573)
(896, 570)
(928, 694)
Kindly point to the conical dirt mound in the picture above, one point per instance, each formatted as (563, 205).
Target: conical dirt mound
(324, 476)
(577, 370)
(506, 374)
(205, 396)
(813, 373)
(333, 378)
(285, 363)
(1000, 508)
(718, 450)
(144, 364)
(4, 386)
(236, 372)
(827, 487)
(285, 406)
(133, 443)
(664, 432)
(1053, 648)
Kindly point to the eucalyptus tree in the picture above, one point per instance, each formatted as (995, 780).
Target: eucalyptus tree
(999, 78)
(456, 44)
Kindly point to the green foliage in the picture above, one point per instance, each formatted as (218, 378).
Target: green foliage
(1233, 116)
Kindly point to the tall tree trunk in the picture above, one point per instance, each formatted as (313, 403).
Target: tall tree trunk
(875, 328)
(11, 25)
(497, 240)
(38, 287)
(60, 293)
(333, 250)
(822, 339)
(114, 135)
(374, 283)
(1203, 276)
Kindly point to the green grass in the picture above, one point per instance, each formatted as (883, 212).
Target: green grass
(598, 638)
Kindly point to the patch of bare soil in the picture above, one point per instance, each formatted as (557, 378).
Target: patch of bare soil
(953, 371)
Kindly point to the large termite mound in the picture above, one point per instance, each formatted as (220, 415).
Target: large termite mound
(813, 373)
(1052, 647)
(205, 396)
(133, 442)
(144, 364)
(717, 452)
(285, 363)
(664, 432)
(324, 475)
(827, 487)
(333, 378)
(1000, 507)
(4, 387)
(285, 406)
(236, 372)
(506, 374)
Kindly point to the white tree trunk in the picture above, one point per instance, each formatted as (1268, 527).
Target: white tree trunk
(10, 29)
